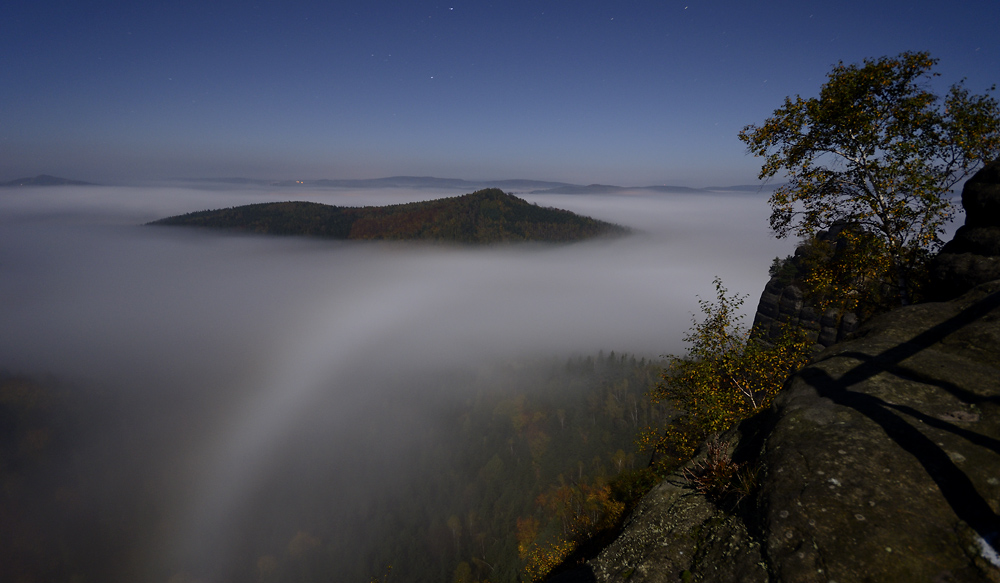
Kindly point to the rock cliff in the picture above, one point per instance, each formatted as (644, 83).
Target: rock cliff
(783, 303)
(880, 461)
(973, 255)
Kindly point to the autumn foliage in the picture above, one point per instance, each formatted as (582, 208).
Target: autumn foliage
(482, 217)
(878, 151)
(579, 510)
(726, 376)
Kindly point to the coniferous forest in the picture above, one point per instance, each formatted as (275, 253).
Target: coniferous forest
(532, 457)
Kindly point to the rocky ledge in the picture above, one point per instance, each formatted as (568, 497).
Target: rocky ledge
(879, 462)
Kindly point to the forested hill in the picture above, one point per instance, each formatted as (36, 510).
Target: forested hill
(45, 180)
(484, 216)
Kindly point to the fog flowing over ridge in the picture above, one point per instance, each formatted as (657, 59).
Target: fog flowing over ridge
(232, 347)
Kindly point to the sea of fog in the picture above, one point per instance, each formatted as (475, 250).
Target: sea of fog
(89, 290)
(225, 343)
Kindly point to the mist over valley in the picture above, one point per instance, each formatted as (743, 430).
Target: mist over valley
(338, 362)
(232, 394)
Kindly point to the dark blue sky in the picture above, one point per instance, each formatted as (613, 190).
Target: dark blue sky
(629, 93)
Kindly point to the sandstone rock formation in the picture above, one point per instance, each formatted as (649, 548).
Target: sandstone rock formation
(879, 462)
(782, 303)
(972, 257)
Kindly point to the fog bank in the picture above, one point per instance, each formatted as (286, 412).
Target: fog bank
(231, 345)
(84, 280)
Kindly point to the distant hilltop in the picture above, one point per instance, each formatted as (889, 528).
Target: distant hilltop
(482, 217)
(45, 180)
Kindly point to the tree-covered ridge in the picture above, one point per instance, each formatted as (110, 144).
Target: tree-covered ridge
(484, 216)
(45, 180)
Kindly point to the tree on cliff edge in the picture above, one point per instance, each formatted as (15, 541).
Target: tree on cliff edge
(725, 377)
(878, 151)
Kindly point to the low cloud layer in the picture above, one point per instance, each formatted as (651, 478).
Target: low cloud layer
(231, 343)
(91, 288)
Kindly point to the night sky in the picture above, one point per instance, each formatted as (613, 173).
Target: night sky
(627, 93)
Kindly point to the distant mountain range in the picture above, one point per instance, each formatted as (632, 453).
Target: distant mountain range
(609, 189)
(395, 182)
(519, 185)
(482, 217)
(513, 185)
(45, 180)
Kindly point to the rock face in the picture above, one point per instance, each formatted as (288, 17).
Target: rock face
(879, 462)
(972, 257)
(883, 464)
(782, 304)
(675, 534)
